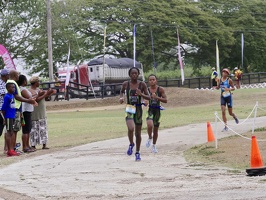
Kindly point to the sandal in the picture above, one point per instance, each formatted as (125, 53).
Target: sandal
(45, 148)
(28, 150)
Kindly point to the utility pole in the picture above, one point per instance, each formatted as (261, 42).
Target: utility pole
(49, 35)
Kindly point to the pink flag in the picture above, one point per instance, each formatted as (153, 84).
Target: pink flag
(180, 59)
(7, 58)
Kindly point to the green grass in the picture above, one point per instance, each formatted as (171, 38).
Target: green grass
(68, 129)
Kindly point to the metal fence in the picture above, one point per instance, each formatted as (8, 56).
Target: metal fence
(205, 82)
(75, 90)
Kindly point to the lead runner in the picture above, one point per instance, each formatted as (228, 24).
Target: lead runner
(135, 90)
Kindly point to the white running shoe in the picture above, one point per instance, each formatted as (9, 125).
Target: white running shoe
(225, 129)
(148, 143)
(154, 149)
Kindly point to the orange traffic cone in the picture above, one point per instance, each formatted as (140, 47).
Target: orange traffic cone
(210, 132)
(256, 163)
(255, 159)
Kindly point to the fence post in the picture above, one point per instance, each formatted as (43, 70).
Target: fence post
(259, 77)
(102, 90)
(199, 83)
(166, 83)
(87, 92)
(67, 93)
(188, 83)
(248, 78)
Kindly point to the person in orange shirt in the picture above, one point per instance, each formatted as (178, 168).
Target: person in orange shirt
(238, 76)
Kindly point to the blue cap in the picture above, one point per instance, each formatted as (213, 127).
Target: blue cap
(4, 72)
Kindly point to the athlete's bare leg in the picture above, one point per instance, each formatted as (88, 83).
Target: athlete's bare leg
(224, 114)
(130, 130)
(138, 137)
(230, 110)
(149, 127)
(155, 134)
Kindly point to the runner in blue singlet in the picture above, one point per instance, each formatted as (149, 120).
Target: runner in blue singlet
(135, 90)
(226, 85)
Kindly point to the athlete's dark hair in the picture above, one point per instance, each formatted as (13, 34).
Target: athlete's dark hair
(132, 69)
(8, 85)
(152, 75)
(21, 79)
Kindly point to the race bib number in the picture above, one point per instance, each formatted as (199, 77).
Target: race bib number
(226, 94)
(131, 109)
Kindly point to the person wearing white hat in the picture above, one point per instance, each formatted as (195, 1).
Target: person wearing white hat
(226, 84)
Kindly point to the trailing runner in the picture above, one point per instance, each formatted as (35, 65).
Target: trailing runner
(154, 112)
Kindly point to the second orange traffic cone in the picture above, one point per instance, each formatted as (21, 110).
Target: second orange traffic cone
(256, 162)
(255, 158)
(210, 134)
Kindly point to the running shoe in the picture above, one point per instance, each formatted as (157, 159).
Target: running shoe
(154, 149)
(137, 156)
(148, 143)
(130, 149)
(225, 129)
(236, 119)
(12, 153)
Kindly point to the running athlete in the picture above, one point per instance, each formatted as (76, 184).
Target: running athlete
(226, 85)
(154, 112)
(135, 89)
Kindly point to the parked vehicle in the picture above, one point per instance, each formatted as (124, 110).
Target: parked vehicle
(96, 73)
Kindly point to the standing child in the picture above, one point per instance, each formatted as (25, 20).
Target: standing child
(9, 115)
(154, 112)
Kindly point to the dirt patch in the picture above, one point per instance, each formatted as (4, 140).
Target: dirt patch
(10, 195)
(233, 151)
(176, 97)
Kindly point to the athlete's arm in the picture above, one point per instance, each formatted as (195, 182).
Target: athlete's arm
(232, 87)
(144, 91)
(163, 98)
(123, 88)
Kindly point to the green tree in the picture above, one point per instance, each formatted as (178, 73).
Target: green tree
(247, 17)
(18, 21)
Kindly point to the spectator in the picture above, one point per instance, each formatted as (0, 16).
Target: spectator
(238, 76)
(27, 109)
(13, 77)
(8, 112)
(57, 85)
(214, 77)
(4, 77)
(39, 132)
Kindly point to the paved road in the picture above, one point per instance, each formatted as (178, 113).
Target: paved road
(102, 170)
